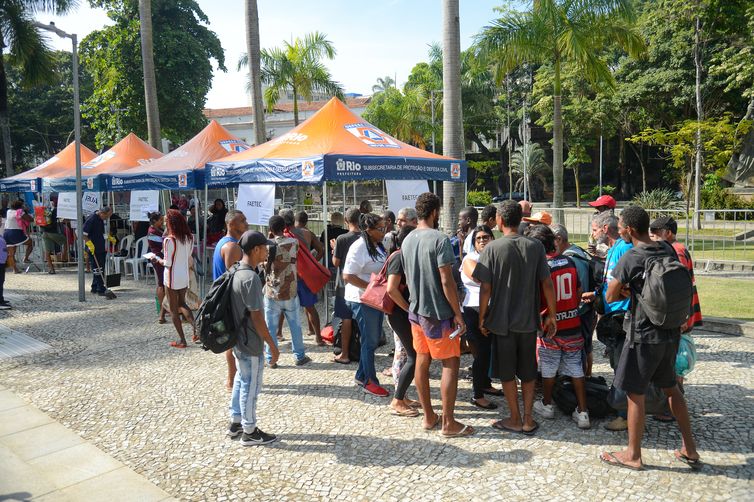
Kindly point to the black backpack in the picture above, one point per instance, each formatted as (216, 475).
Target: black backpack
(214, 319)
(596, 396)
(354, 348)
(596, 268)
(667, 293)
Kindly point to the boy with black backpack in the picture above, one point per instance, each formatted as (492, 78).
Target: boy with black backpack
(660, 292)
(247, 302)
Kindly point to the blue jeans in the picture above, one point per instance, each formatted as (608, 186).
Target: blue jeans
(246, 387)
(291, 309)
(369, 321)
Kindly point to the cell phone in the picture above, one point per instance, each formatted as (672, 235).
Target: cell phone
(455, 333)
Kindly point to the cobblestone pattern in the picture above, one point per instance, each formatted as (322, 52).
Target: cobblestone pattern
(111, 377)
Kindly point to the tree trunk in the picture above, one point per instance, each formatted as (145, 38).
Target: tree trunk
(640, 155)
(452, 144)
(623, 187)
(4, 117)
(557, 148)
(699, 118)
(741, 166)
(150, 81)
(295, 107)
(474, 137)
(578, 187)
(252, 51)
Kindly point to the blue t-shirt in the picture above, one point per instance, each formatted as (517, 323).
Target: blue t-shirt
(218, 264)
(613, 257)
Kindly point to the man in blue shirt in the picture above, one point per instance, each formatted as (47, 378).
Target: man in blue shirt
(610, 325)
(94, 233)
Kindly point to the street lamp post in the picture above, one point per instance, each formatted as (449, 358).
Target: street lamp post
(77, 135)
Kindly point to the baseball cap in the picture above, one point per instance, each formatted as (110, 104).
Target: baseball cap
(605, 200)
(542, 217)
(251, 239)
(664, 223)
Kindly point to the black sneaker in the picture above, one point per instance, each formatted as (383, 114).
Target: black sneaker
(257, 438)
(5, 306)
(234, 430)
(304, 360)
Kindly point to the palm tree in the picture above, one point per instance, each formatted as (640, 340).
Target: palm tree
(28, 50)
(555, 31)
(527, 164)
(150, 81)
(454, 194)
(297, 67)
(383, 84)
(252, 48)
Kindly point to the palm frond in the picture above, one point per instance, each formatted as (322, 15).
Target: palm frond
(29, 49)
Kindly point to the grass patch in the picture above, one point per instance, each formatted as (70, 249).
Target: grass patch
(723, 297)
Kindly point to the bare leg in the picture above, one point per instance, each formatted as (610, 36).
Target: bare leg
(186, 311)
(161, 299)
(579, 388)
(510, 389)
(681, 413)
(175, 312)
(449, 391)
(589, 363)
(632, 455)
(12, 259)
(29, 249)
(345, 340)
(527, 390)
(547, 386)
(314, 325)
(48, 259)
(231, 369)
(421, 381)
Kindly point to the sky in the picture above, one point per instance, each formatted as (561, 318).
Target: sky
(372, 39)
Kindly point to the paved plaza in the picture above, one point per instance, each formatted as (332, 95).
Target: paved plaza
(110, 377)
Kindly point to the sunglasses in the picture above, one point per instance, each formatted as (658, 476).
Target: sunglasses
(482, 238)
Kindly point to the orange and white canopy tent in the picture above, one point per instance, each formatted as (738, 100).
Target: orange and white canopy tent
(334, 144)
(61, 164)
(183, 168)
(128, 153)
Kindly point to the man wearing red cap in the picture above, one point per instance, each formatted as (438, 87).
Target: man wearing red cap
(603, 203)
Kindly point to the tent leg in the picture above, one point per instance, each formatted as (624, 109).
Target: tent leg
(344, 198)
(205, 264)
(355, 202)
(327, 239)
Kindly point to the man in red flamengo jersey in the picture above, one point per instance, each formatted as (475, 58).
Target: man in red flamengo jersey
(561, 353)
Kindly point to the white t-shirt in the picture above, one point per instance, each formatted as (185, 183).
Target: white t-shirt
(471, 299)
(359, 263)
(11, 223)
(468, 244)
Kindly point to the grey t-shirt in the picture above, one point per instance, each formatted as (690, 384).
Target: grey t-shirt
(247, 297)
(514, 266)
(423, 253)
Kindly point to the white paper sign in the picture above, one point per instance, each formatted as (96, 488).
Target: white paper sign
(90, 202)
(67, 205)
(142, 203)
(402, 194)
(257, 202)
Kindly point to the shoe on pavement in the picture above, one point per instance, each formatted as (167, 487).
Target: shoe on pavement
(546, 410)
(617, 424)
(376, 390)
(581, 418)
(256, 438)
(5, 306)
(304, 360)
(234, 429)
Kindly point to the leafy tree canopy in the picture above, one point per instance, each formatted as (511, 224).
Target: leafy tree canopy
(183, 49)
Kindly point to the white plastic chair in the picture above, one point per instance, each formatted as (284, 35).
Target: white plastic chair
(137, 261)
(125, 244)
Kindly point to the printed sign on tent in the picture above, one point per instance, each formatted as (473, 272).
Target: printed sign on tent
(90, 202)
(142, 203)
(257, 202)
(402, 194)
(67, 205)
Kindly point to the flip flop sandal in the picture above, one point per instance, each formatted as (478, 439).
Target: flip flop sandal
(340, 362)
(178, 345)
(490, 406)
(530, 432)
(695, 464)
(434, 425)
(411, 412)
(499, 425)
(415, 404)
(466, 431)
(494, 392)
(663, 418)
(613, 461)
(196, 339)
(161, 321)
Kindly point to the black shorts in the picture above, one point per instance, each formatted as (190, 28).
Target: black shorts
(588, 321)
(644, 363)
(515, 355)
(341, 309)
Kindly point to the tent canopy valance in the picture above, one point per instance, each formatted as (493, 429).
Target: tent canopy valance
(183, 168)
(334, 144)
(61, 164)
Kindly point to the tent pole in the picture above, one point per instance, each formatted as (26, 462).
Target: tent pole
(325, 219)
(227, 196)
(355, 202)
(344, 198)
(205, 264)
(196, 221)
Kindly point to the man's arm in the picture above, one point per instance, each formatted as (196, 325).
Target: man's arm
(316, 245)
(451, 294)
(616, 291)
(485, 291)
(550, 324)
(393, 290)
(231, 253)
(260, 326)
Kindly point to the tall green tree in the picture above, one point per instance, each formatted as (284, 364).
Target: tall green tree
(383, 84)
(28, 50)
(297, 67)
(150, 80)
(556, 31)
(184, 50)
(253, 49)
(453, 194)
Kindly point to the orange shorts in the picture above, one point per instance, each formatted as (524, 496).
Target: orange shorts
(437, 348)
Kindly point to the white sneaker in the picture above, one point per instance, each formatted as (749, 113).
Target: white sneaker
(581, 418)
(546, 410)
